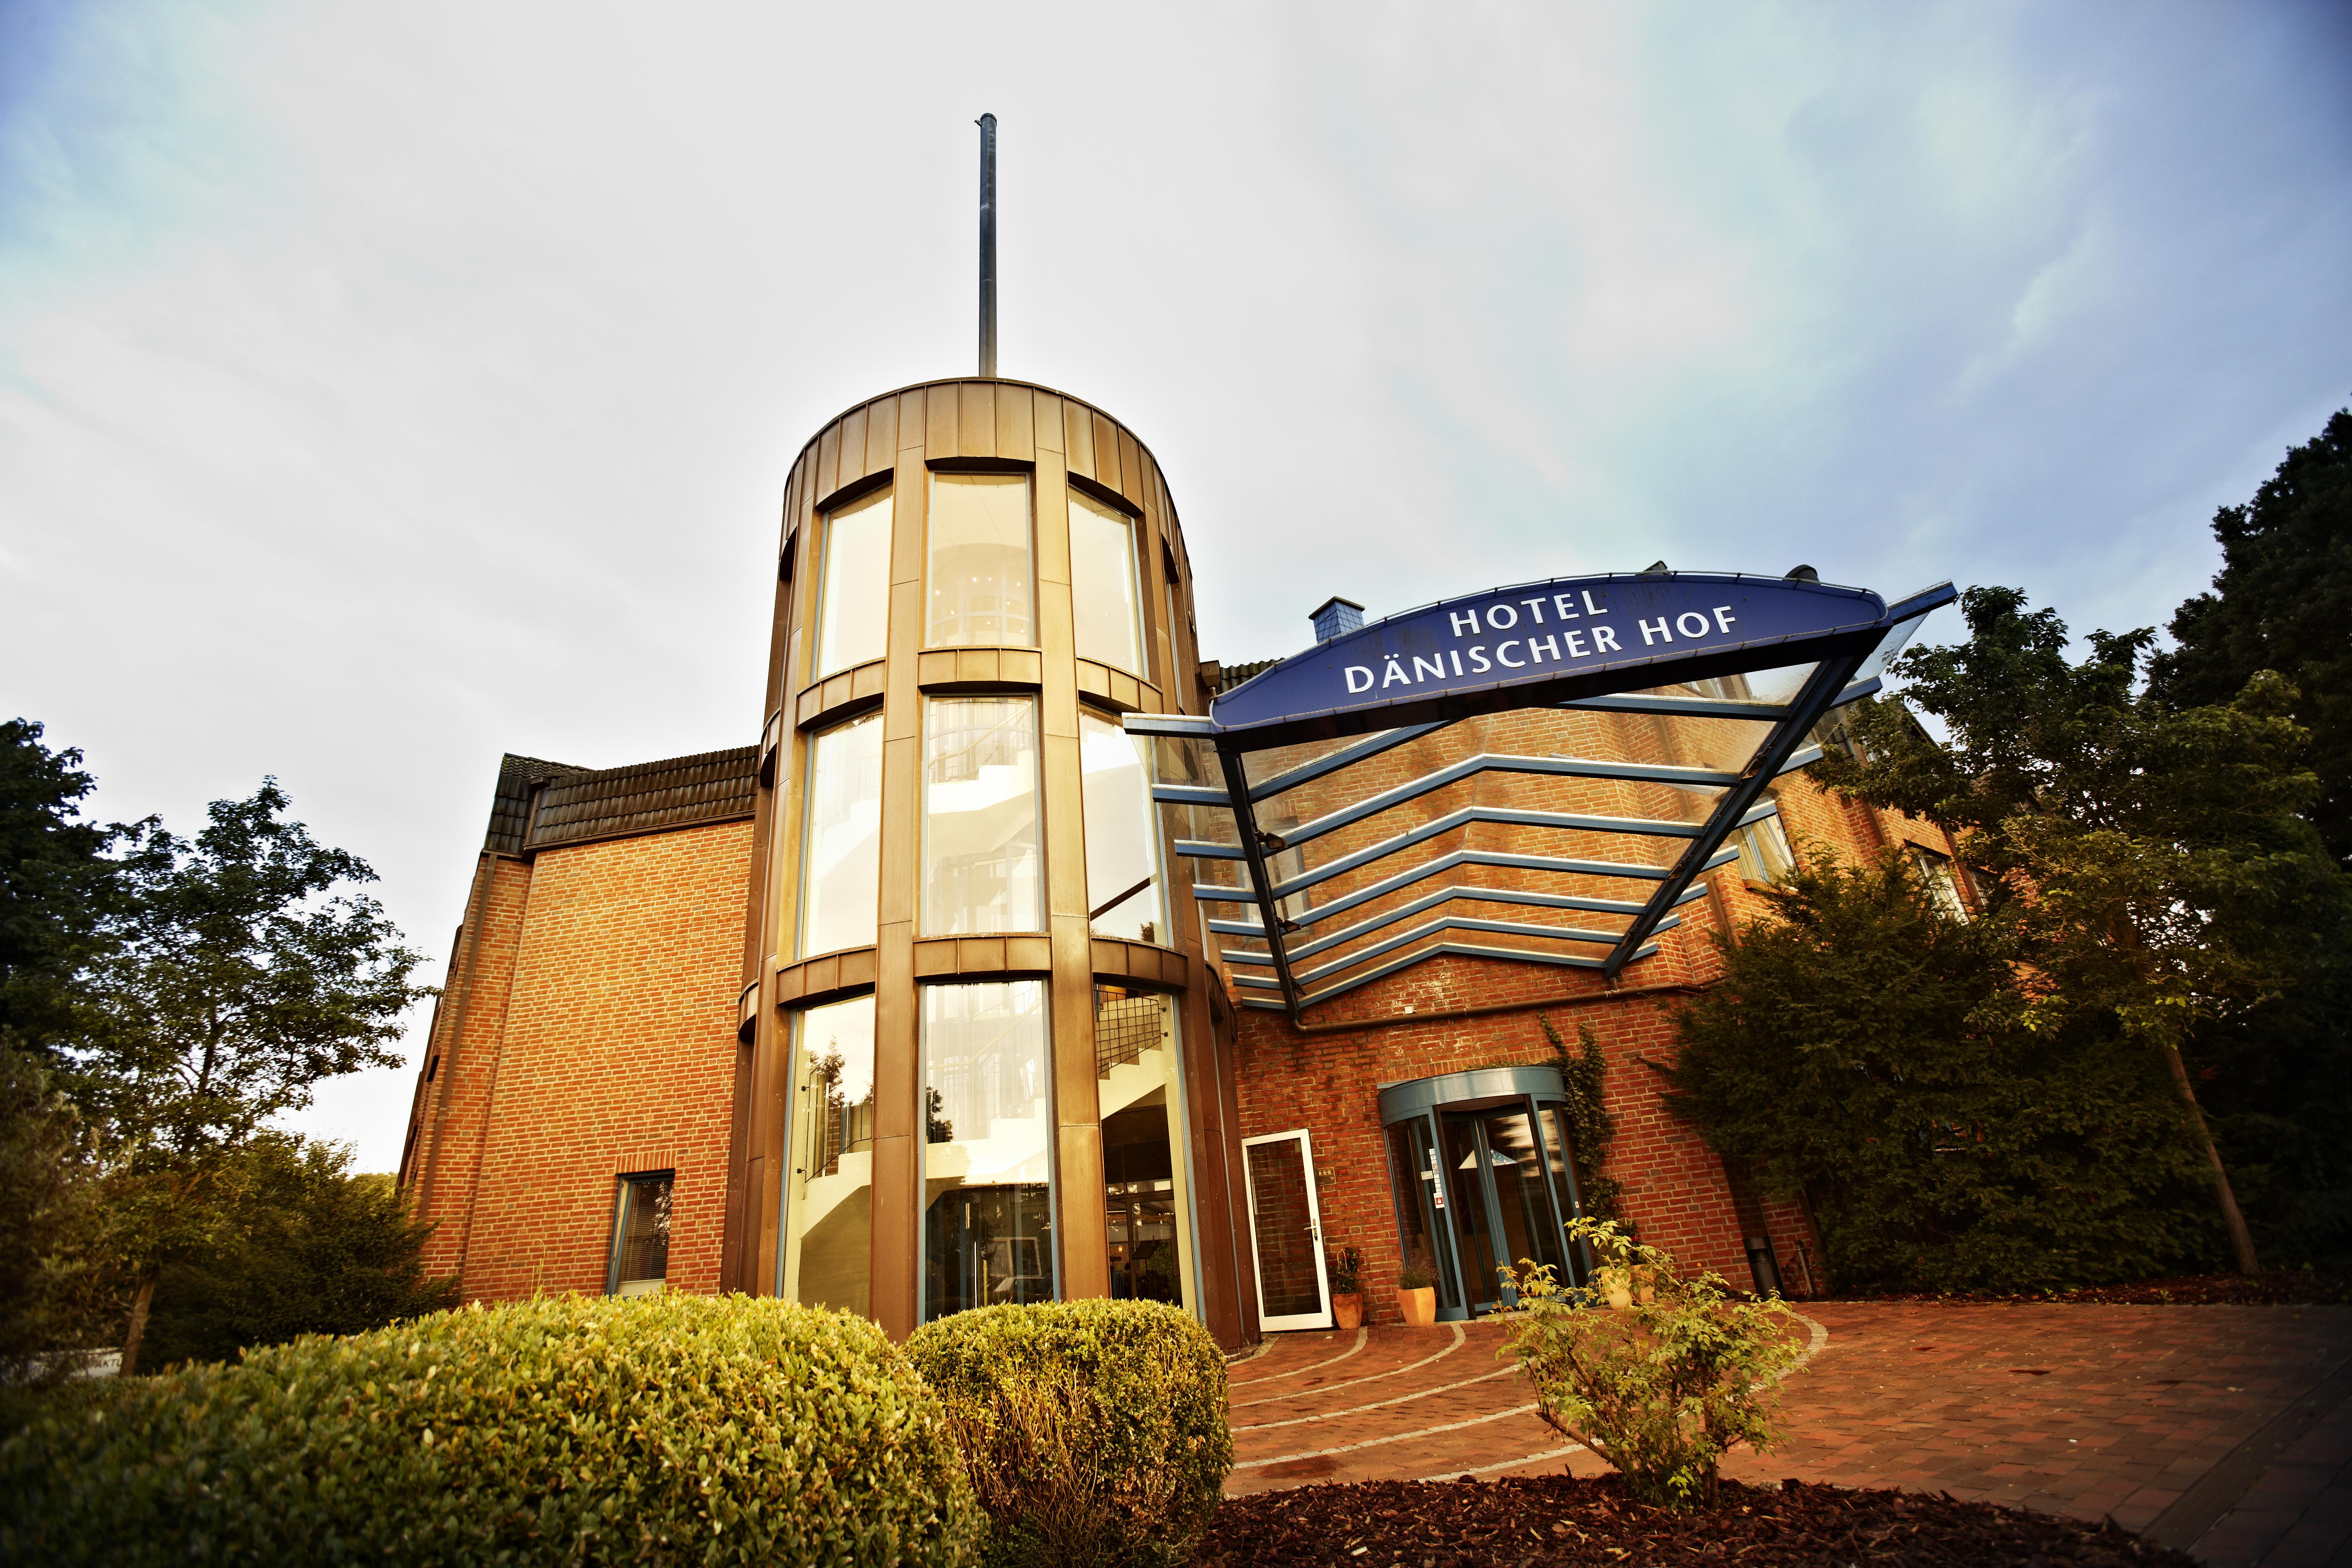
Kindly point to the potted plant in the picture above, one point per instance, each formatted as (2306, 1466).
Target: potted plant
(1417, 1290)
(1621, 1283)
(1347, 1289)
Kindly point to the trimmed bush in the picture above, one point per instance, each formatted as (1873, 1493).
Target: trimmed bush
(1665, 1383)
(1093, 1431)
(667, 1429)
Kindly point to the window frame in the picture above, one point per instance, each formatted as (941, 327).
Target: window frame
(1746, 836)
(625, 1185)
(1155, 836)
(800, 947)
(1050, 1142)
(791, 1249)
(1940, 874)
(1137, 581)
(933, 477)
(826, 571)
(923, 862)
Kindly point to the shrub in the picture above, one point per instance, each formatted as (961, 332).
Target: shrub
(664, 1429)
(1093, 1431)
(1664, 1387)
(1894, 1066)
(304, 1247)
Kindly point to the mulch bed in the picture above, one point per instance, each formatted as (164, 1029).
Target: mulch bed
(1562, 1520)
(2281, 1288)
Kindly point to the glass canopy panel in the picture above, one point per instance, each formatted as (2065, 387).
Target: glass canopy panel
(1535, 834)
(1775, 686)
(1276, 760)
(1186, 759)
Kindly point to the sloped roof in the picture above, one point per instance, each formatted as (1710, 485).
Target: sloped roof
(540, 804)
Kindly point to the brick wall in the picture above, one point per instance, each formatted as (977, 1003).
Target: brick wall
(1328, 1078)
(442, 1156)
(599, 1040)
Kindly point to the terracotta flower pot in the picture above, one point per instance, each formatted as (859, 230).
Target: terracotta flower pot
(1623, 1287)
(1616, 1286)
(1347, 1311)
(1420, 1307)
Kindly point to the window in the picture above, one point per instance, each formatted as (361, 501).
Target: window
(1175, 647)
(983, 858)
(978, 569)
(1936, 872)
(988, 1222)
(1835, 734)
(1147, 1191)
(841, 853)
(853, 617)
(641, 1236)
(1124, 894)
(1764, 852)
(1108, 610)
(828, 1223)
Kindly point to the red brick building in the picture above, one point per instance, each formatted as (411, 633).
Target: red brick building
(921, 1002)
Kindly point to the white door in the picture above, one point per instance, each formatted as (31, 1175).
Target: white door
(1286, 1232)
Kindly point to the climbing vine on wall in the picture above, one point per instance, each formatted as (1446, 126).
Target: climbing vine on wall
(1590, 1128)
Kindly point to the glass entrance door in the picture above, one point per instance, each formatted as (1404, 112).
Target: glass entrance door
(1499, 1195)
(1287, 1231)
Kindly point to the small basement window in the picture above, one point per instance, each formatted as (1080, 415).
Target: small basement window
(641, 1236)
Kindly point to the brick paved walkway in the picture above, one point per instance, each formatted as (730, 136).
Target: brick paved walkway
(2084, 1410)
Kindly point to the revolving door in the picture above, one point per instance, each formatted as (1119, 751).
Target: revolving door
(1479, 1168)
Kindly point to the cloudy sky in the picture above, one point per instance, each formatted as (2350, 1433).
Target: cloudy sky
(385, 388)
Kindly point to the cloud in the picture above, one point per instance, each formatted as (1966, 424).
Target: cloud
(382, 389)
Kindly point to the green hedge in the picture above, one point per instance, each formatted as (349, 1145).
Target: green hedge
(667, 1429)
(1093, 1431)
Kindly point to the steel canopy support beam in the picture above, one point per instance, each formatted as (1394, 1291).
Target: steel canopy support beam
(1812, 703)
(1261, 876)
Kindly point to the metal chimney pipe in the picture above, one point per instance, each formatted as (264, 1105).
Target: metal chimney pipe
(988, 245)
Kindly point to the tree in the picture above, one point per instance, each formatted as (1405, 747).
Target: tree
(52, 1273)
(2156, 860)
(1885, 1060)
(242, 977)
(2283, 601)
(56, 886)
(306, 1248)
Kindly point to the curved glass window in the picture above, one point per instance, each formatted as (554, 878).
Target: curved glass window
(1107, 611)
(841, 853)
(1126, 895)
(828, 1238)
(976, 584)
(853, 616)
(1146, 1184)
(984, 856)
(988, 1124)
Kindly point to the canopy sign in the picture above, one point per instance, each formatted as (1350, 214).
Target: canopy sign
(1488, 650)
